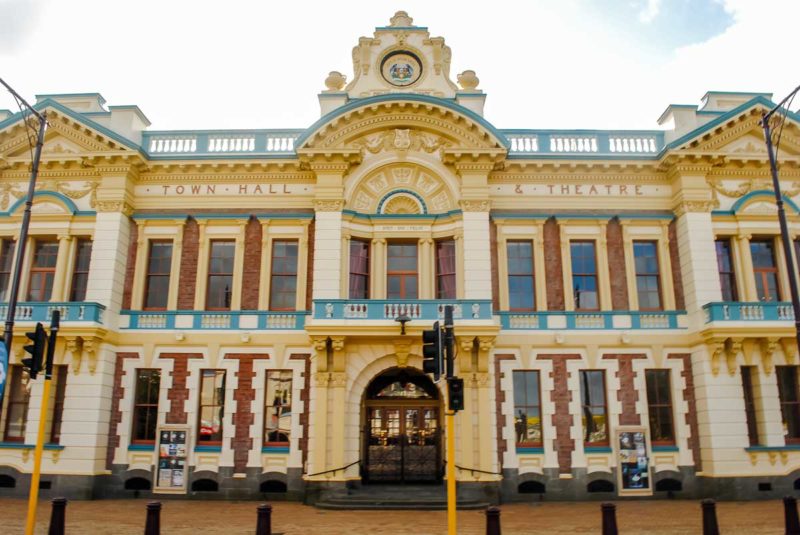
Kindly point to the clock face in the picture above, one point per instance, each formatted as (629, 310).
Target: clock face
(401, 68)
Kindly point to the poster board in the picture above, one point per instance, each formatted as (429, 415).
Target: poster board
(634, 473)
(171, 462)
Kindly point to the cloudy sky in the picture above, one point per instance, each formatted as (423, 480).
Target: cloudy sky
(260, 64)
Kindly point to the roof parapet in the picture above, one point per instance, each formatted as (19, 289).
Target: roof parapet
(723, 101)
(79, 102)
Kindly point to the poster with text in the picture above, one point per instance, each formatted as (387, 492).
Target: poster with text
(172, 464)
(633, 461)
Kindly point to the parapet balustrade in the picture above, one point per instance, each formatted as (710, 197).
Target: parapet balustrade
(617, 319)
(600, 143)
(208, 320)
(200, 143)
(70, 311)
(748, 311)
(390, 309)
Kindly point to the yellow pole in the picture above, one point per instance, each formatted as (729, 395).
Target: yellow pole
(37, 461)
(451, 472)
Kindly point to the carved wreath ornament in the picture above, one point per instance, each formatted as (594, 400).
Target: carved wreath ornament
(745, 187)
(401, 140)
(8, 189)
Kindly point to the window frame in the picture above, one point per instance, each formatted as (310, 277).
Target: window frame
(34, 271)
(13, 384)
(366, 246)
(148, 275)
(594, 275)
(793, 369)
(607, 441)
(761, 272)
(273, 274)
(267, 406)
(74, 284)
(8, 251)
(520, 275)
(538, 406)
(438, 275)
(138, 406)
(210, 274)
(221, 406)
(660, 292)
(730, 276)
(750, 409)
(651, 372)
(403, 274)
(60, 378)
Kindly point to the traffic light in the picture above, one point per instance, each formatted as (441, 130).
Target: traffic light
(455, 393)
(34, 363)
(432, 351)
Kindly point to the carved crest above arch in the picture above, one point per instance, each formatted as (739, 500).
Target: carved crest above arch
(402, 188)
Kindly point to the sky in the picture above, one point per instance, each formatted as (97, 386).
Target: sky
(601, 64)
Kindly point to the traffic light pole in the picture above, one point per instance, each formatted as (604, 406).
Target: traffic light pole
(33, 495)
(451, 423)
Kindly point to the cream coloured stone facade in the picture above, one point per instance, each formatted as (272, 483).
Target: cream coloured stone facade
(286, 253)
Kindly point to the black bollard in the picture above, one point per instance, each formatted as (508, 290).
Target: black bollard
(609, 519)
(153, 524)
(264, 524)
(710, 526)
(57, 516)
(790, 516)
(493, 521)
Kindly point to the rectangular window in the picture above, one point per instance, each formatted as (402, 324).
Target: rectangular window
(727, 279)
(659, 406)
(527, 408)
(283, 285)
(80, 274)
(7, 248)
(43, 270)
(145, 406)
(750, 404)
(790, 402)
(212, 407)
(521, 288)
(584, 274)
(446, 269)
(401, 271)
(60, 380)
(220, 275)
(159, 264)
(648, 285)
(278, 407)
(17, 408)
(593, 408)
(765, 269)
(359, 269)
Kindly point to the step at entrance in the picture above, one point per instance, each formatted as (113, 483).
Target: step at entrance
(397, 497)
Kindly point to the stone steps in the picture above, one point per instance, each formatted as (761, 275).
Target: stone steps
(397, 497)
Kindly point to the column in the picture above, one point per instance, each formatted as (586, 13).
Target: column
(603, 276)
(60, 286)
(109, 257)
(338, 414)
(487, 430)
(665, 267)
(426, 288)
(745, 264)
(328, 250)
(318, 410)
(477, 255)
(377, 275)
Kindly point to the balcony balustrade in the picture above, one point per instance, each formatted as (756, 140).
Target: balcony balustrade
(70, 311)
(390, 309)
(205, 320)
(605, 320)
(748, 311)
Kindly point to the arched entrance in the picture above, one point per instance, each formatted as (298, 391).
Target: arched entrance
(402, 435)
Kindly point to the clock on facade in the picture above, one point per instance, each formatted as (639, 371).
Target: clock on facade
(401, 68)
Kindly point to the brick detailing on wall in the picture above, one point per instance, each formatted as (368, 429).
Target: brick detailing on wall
(627, 394)
(178, 393)
(499, 399)
(552, 265)
(675, 260)
(304, 397)
(130, 268)
(616, 265)
(691, 415)
(562, 419)
(310, 264)
(495, 273)
(252, 264)
(116, 414)
(243, 418)
(188, 274)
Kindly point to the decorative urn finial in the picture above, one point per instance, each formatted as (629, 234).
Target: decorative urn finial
(401, 18)
(335, 81)
(468, 81)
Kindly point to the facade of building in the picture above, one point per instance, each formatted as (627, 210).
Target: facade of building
(229, 298)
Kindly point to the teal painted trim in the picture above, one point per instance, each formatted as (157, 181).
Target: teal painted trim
(709, 112)
(790, 447)
(141, 447)
(389, 309)
(395, 28)
(334, 94)
(69, 95)
(139, 217)
(96, 113)
(222, 320)
(738, 93)
(721, 212)
(665, 449)
(762, 193)
(208, 449)
(281, 215)
(39, 194)
(400, 191)
(426, 217)
(70, 311)
(275, 449)
(85, 213)
(21, 446)
(600, 320)
(582, 216)
(597, 449)
(521, 450)
(368, 101)
(748, 311)
(221, 216)
(664, 217)
(520, 216)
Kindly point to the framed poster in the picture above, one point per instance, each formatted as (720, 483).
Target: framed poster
(171, 464)
(633, 456)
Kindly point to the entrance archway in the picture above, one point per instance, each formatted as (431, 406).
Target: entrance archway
(402, 435)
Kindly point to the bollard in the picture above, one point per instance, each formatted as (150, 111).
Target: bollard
(493, 521)
(153, 524)
(57, 516)
(264, 524)
(790, 516)
(609, 519)
(710, 526)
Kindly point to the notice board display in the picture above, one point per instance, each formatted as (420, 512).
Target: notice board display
(633, 454)
(171, 465)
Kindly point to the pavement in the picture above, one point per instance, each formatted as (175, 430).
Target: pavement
(184, 517)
